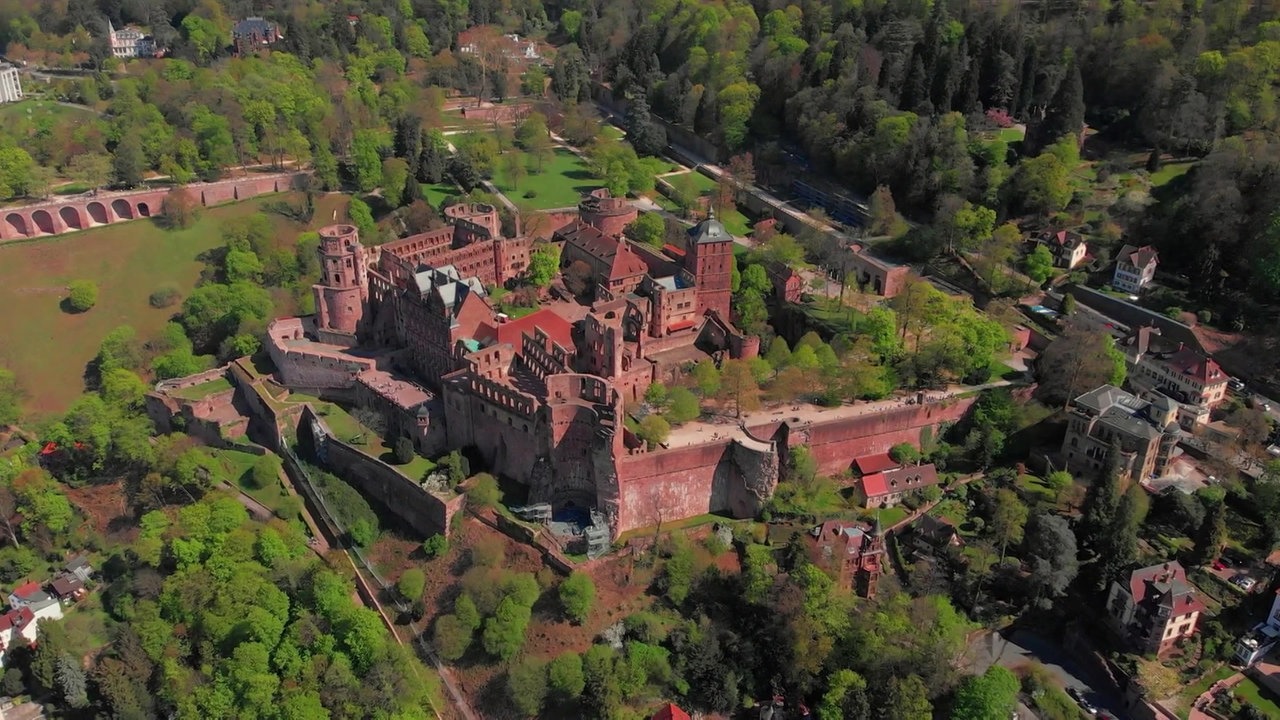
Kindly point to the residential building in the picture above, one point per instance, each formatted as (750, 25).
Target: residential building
(1261, 640)
(1068, 248)
(253, 34)
(1145, 431)
(787, 283)
(873, 274)
(79, 566)
(10, 84)
(854, 552)
(931, 535)
(27, 594)
(1175, 369)
(130, 42)
(887, 488)
(671, 711)
(67, 588)
(1155, 607)
(1135, 268)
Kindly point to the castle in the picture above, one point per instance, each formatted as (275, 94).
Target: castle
(408, 329)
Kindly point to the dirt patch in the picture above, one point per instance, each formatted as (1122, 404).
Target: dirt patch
(106, 509)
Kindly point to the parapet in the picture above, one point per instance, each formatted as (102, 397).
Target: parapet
(335, 239)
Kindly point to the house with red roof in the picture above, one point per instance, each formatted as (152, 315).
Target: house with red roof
(1135, 268)
(1155, 607)
(671, 711)
(1068, 248)
(886, 488)
(616, 269)
(1174, 369)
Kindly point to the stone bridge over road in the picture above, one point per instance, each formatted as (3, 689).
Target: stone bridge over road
(87, 211)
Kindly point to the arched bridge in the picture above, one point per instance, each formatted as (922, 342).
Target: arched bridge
(83, 212)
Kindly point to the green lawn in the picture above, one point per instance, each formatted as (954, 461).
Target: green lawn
(888, 516)
(237, 466)
(561, 183)
(734, 221)
(612, 132)
(205, 389)
(48, 349)
(1009, 135)
(1169, 171)
(436, 193)
(1034, 487)
(30, 111)
(1250, 692)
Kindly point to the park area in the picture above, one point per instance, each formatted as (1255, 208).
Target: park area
(48, 349)
(563, 180)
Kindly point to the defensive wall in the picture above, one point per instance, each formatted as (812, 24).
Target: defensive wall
(426, 512)
(81, 213)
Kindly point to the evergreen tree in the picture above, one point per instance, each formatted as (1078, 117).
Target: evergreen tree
(1212, 534)
(1064, 115)
(646, 136)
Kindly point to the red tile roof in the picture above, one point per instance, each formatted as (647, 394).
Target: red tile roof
(27, 588)
(1166, 585)
(626, 263)
(1196, 366)
(556, 328)
(868, 464)
(16, 618)
(903, 479)
(671, 712)
(1139, 257)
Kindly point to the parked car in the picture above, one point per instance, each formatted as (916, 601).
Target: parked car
(1244, 582)
(1236, 384)
(1220, 564)
(1085, 705)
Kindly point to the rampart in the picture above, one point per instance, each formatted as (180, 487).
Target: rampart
(84, 212)
(424, 511)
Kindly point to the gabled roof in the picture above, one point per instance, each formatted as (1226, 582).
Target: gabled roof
(626, 263)
(1165, 586)
(671, 712)
(1196, 366)
(898, 480)
(28, 590)
(19, 619)
(1065, 239)
(66, 585)
(556, 328)
(869, 464)
(1139, 257)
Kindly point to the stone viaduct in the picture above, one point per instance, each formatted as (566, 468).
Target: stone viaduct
(83, 212)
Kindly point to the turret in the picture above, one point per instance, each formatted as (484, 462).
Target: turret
(343, 291)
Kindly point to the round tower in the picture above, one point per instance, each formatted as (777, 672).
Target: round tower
(343, 291)
(608, 214)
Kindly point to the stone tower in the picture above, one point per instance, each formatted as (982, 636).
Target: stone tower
(343, 291)
(710, 258)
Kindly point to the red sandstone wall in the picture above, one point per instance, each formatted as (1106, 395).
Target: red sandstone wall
(835, 444)
(543, 230)
(668, 485)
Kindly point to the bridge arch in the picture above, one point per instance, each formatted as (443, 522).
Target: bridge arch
(17, 223)
(43, 222)
(98, 213)
(121, 208)
(71, 217)
(144, 210)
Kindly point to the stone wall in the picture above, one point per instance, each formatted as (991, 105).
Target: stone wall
(423, 511)
(836, 443)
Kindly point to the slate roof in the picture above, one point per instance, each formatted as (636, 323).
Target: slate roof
(709, 231)
(1165, 586)
(1139, 257)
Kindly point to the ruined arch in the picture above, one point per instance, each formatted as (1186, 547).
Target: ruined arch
(98, 213)
(143, 210)
(17, 223)
(121, 208)
(43, 222)
(70, 217)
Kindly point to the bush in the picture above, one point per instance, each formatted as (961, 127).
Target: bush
(180, 209)
(82, 295)
(167, 296)
(435, 546)
(484, 491)
(451, 638)
(411, 584)
(527, 686)
(577, 595)
(265, 472)
(564, 674)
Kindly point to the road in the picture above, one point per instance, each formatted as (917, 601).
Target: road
(1020, 647)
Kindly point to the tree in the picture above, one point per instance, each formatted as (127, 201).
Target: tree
(645, 135)
(544, 263)
(366, 160)
(756, 279)
(647, 229)
(884, 214)
(451, 637)
(180, 208)
(564, 675)
(1052, 555)
(905, 453)
(92, 169)
(82, 295)
(908, 699)
(1041, 184)
(504, 633)
(677, 572)
(395, 174)
(411, 584)
(1079, 360)
(128, 162)
(707, 377)
(682, 406)
(1039, 264)
(404, 451)
(10, 397)
(968, 226)
(527, 686)
(656, 395)
(72, 682)
(738, 385)
(265, 472)
(1211, 536)
(846, 697)
(993, 694)
(653, 430)
(1008, 519)
(577, 595)
(484, 491)
(1064, 115)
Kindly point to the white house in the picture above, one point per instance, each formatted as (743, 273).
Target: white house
(1135, 268)
(10, 84)
(1262, 638)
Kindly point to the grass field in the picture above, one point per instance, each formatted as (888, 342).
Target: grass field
(47, 348)
(15, 114)
(436, 194)
(561, 183)
(1250, 692)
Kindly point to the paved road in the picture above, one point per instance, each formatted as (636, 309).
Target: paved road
(1022, 647)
